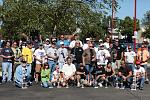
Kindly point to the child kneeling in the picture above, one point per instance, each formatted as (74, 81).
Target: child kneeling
(45, 76)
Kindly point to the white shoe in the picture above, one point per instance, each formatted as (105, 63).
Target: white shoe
(50, 87)
(100, 84)
(78, 84)
(95, 87)
(122, 88)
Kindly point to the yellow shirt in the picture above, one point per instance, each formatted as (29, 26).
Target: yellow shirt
(27, 54)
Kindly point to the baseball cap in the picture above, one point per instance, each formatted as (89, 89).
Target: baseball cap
(138, 62)
(61, 43)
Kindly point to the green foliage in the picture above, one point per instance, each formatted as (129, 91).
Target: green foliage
(146, 23)
(54, 17)
(126, 26)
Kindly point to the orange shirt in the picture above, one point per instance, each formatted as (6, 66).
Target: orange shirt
(143, 55)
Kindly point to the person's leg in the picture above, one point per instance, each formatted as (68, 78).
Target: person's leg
(87, 68)
(142, 80)
(53, 66)
(29, 69)
(60, 65)
(18, 85)
(146, 77)
(90, 71)
(37, 73)
(4, 71)
(45, 84)
(9, 71)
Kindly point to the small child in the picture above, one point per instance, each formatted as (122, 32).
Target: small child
(45, 76)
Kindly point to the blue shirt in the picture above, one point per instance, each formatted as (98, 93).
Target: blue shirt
(66, 43)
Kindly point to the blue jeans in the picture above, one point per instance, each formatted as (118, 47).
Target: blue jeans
(5, 66)
(89, 69)
(145, 67)
(52, 66)
(61, 65)
(19, 83)
(77, 65)
(141, 81)
(132, 66)
(45, 84)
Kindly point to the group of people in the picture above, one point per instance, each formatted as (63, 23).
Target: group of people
(64, 63)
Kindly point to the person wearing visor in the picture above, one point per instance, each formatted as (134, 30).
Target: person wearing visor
(22, 74)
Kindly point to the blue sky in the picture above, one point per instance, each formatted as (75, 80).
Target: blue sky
(127, 8)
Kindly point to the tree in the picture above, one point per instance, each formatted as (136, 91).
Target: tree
(126, 26)
(146, 24)
(54, 16)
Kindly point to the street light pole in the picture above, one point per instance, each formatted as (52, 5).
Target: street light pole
(135, 26)
(112, 19)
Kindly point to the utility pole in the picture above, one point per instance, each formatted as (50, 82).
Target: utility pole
(135, 31)
(113, 15)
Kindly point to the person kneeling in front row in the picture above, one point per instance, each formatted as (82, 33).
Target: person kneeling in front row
(22, 76)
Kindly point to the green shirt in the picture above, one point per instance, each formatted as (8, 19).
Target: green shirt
(45, 75)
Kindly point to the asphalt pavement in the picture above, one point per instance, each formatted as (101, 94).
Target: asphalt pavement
(9, 92)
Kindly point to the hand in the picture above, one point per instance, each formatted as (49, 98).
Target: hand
(8, 56)
(125, 78)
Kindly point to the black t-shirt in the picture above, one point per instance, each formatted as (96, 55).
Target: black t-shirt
(7, 52)
(77, 52)
(99, 71)
(118, 50)
(82, 71)
(125, 70)
(108, 72)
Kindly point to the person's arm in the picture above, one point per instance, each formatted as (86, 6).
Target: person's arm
(80, 73)
(129, 75)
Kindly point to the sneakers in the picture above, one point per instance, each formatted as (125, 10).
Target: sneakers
(95, 87)
(141, 88)
(78, 84)
(100, 85)
(50, 87)
(147, 81)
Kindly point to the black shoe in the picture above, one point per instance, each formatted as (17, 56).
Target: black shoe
(141, 88)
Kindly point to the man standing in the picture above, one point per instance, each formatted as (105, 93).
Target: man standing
(7, 55)
(62, 55)
(130, 57)
(28, 55)
(52, 58)
(89, 60)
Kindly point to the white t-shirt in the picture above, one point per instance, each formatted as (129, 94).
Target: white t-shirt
(85, 46)
(72, 43)
(40, 54)
(56, 74)
(106, 45)
(51, 51)
(68, 70)
(102, 57)
(62, 55)
(130, 56)
(140, 70)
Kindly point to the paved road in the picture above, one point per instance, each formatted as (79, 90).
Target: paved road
(10, 92)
